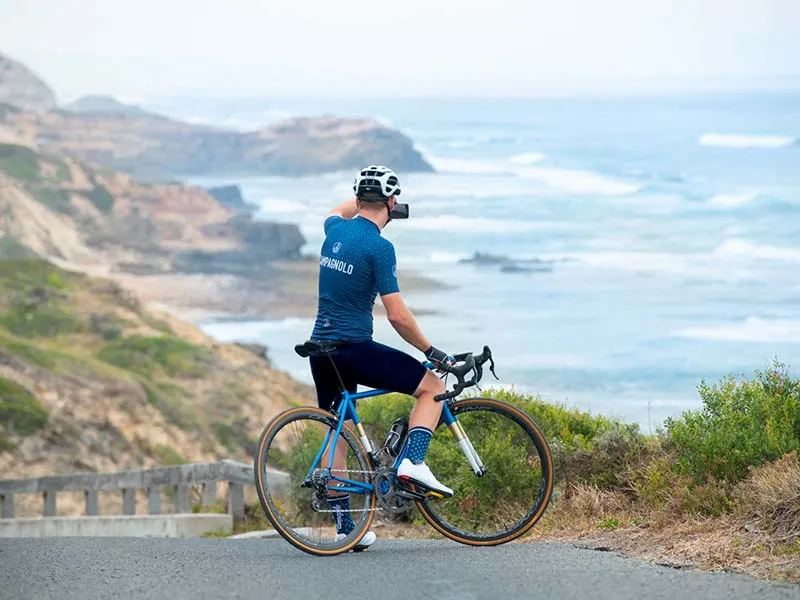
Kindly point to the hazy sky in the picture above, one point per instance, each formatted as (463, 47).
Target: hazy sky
(402, 47)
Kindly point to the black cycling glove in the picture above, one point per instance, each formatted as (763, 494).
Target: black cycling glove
(439, 357)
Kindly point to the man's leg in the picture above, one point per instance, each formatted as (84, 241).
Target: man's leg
(378, 366)
(424, 418)
(328, 389)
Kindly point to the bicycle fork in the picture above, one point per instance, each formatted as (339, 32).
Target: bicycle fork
(463, 441)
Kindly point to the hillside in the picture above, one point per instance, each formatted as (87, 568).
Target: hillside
(89, 380)
(172, 244)
(99, 104)
(22, 88)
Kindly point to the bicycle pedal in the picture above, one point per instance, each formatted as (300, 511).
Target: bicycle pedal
(417, 489)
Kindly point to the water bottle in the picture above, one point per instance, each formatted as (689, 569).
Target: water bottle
(396, 437)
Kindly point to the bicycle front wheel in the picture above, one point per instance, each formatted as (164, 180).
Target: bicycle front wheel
(293, 482)
(513, 492)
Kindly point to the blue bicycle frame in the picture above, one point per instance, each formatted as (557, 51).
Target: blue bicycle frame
(346, 411)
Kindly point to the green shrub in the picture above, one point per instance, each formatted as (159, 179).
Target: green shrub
(56, 199)
(108, 327)
(39, 321)
(742, 424)
(155, 323)
(101, 198)
(19, 162)
(11, 247)
(62, 170)
(28, 352)
(6, 445)
(607, 460)
(169, 399)
(568, 427)
(226, 434)
(146, 355)
(20, 411)
(166, 455)
(23, 275)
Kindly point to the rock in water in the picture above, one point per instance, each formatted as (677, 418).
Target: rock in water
(22, 88)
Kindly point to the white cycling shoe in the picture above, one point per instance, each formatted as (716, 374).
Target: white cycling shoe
(421, 475)
(366, 541)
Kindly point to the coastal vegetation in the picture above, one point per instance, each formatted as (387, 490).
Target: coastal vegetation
(84, 367)
(717, 487)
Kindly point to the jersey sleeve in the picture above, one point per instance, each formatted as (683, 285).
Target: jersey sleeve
(331, 221)
(386, 269)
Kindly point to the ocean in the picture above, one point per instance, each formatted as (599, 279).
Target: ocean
(653, 242)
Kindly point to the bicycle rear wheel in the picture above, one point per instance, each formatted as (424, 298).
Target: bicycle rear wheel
(283, 459)
(513, 493)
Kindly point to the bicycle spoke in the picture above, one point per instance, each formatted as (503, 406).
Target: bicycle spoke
(510, 496)
(295, 495)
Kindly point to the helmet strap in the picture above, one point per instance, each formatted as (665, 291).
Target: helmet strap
(388, 211)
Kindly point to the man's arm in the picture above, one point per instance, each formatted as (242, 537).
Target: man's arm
(404, 322)
(346, 210)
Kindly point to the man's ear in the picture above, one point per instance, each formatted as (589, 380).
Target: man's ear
(392, 202)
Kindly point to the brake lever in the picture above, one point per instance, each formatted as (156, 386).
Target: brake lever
(491, 368)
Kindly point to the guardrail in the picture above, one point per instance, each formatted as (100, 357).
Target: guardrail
(153, 481)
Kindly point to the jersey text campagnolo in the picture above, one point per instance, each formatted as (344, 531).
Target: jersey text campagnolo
(336, 265)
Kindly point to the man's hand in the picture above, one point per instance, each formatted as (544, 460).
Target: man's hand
(439, 358)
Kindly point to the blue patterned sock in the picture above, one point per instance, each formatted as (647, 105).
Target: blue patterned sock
(417, 444)
(340, 505)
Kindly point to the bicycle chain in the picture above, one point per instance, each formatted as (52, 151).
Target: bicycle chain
(376, 509)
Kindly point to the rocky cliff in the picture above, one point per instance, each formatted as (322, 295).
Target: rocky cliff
(90, 380)
(22, 88)
(104, 222)
(153, 147)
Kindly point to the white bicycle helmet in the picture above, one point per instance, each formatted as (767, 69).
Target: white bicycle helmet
(375, 183)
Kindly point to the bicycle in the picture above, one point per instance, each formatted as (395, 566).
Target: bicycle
(293, 491)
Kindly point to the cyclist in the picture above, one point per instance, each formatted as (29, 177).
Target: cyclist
(356, 265)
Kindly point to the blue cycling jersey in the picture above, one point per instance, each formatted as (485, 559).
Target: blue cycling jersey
(355, 265)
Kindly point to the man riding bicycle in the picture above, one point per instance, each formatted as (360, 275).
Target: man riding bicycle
(357, 264)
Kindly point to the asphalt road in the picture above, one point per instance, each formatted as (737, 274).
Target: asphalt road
(173, 569)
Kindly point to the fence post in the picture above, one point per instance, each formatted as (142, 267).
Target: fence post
(154, 501)
(129, 501)
(209, 493)
(236, 500)
(49, 504)
(92, 502)
(6, 506)
(182, 498)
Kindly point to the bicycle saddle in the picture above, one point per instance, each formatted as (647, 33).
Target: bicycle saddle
(315, 348)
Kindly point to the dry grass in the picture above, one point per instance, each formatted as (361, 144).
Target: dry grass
(769, 499)
(761, 537)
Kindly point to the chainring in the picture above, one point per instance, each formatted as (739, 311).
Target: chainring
(385, 490)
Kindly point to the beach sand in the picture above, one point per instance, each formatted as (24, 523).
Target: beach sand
(289, 289)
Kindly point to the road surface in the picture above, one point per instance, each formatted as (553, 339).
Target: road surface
(271, 569)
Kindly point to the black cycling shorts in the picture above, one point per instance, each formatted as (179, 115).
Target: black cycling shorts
(369, 364)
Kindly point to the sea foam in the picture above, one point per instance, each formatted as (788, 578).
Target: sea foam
(731, 200)
(737, 247)
(572, 181)
(752, 329)
(736, 140)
